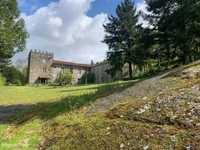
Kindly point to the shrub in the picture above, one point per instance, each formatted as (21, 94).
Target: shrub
(88, 78)
(2, 80)
(65, 77)
(14, 76)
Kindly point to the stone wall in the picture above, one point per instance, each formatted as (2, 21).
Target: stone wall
(42, 67)
(77, 74)
(55, 72)
(99, 70)
(39, 66)
(101, 75)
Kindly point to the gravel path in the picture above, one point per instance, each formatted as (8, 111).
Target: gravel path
(146, 88)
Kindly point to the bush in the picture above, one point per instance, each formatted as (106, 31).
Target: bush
(14, 76)
(2, 80)
(88, 78)
(65, 77)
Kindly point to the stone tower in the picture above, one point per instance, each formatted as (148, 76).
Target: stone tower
(39, 67)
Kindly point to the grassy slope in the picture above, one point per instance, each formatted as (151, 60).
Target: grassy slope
(10, 95)
(24, 129)
(168, 120)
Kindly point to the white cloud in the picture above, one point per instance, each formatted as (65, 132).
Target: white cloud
(64, 28)
(142, 6)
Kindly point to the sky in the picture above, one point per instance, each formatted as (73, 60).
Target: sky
(71, 29)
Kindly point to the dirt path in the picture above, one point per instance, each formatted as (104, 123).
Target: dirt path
(146, 88)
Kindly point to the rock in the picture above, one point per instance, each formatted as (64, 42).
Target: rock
(122, 145)
(146, 147)
(108, 128)
(191, 73)
(189, 147)
(145, 108)
(145, 98)
(173, 138)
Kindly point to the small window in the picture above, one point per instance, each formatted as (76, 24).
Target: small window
(45, 69)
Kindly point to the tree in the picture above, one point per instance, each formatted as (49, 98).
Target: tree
(65, 77)
(88, 78)
(12, 31)
(177, 27)
(121, 37)
(13, 75)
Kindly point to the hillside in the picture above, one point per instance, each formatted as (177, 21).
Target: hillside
(162, 112)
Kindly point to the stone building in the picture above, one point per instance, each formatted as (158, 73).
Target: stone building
(43, 68)
(100, 72)
(39, 67)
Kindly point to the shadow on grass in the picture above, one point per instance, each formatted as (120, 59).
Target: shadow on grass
(19, 114)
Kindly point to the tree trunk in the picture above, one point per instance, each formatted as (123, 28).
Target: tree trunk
(130, 71)
(185, 59)
(186, 55)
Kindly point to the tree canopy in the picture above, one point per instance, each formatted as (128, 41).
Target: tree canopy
(171, 37)
(176, 24)
(12, 31)
(121, 37)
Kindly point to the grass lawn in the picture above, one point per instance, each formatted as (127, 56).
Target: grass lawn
(10, 95)
(42, 104)
(57, 118)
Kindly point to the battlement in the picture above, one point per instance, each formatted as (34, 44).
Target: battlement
(41, 53)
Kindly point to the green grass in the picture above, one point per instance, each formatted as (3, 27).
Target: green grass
(57, 117)
(122, 127)
(24, 130)
(10, 95)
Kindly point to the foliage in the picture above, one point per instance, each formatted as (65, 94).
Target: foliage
(171, 37)
(176, 27)
(121, 37)
(65, 77)
(12, 31)
(88, 78)
(2, 80)
(14, 76)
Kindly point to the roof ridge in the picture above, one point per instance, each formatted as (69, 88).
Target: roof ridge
(70, 63)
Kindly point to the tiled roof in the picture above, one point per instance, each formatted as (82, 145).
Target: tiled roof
(58, 62)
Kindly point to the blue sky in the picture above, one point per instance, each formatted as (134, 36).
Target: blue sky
(98, 6)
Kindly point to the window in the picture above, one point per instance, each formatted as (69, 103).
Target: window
(45, 69)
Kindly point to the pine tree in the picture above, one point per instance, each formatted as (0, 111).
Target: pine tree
(12, 31)
(176, 24)
(121, 37)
